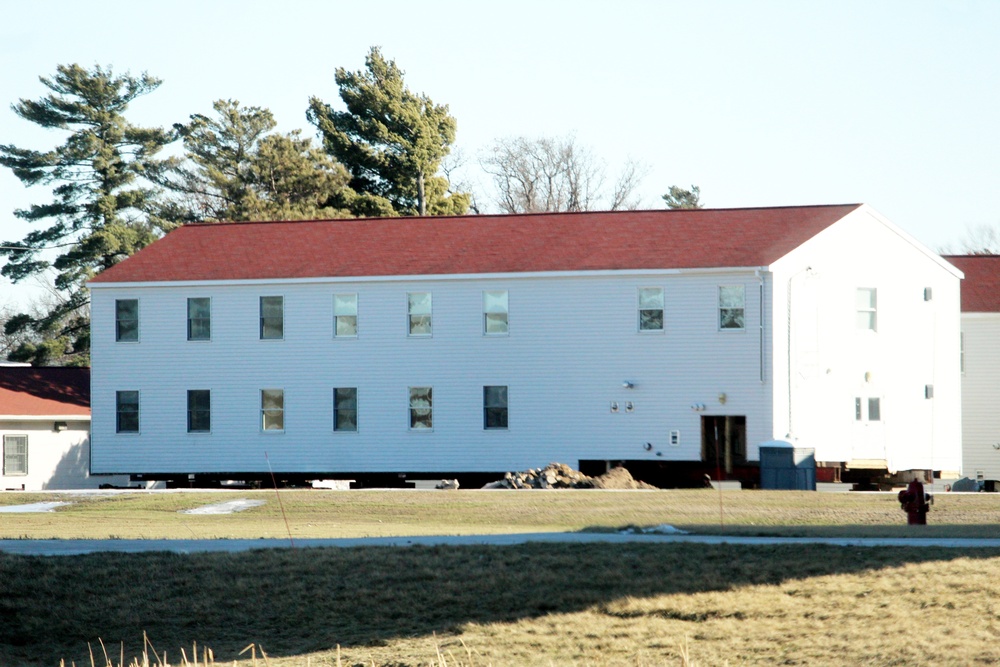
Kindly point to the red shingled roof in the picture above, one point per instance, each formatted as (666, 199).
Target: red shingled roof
(981, 287)
(39, 392)
(543, 242)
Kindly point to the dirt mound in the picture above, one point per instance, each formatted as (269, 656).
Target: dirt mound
(561, 476)
(619, 478)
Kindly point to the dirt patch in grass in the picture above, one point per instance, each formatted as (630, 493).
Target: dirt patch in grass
(532, 604)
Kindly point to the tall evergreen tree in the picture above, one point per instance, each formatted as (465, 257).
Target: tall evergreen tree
(98, 215)
(679, 198)
(236, 168)
(391, 140)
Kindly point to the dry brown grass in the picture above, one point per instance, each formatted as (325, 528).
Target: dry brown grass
(318, 514)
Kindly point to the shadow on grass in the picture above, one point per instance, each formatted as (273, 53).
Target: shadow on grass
(293, 602)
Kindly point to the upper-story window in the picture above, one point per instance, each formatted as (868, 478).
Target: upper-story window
(650, 309)
(732, 306)
(199, 319)
(272, 409)
(419, 313)
(345, 409)
(127, 320)
(345, 315)
(199, 413)
(865, 302)
(272, 317)
(495, 312)
(127, 412)
(421, 408)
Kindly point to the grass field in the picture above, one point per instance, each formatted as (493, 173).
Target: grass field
(540, 604)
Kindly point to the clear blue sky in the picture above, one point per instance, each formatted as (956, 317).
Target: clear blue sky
(891, 103)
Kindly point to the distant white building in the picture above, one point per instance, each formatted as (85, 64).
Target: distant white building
(980, 352)
(675, 341)
(45, 429)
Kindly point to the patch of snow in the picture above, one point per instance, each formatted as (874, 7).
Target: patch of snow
(33, 507)
(225, 508)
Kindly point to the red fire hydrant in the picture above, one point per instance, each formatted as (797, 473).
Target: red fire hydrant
(915, 503)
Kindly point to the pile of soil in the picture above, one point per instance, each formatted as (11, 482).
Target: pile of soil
(561, 476)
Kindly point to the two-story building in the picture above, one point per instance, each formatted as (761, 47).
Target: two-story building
(674, 341)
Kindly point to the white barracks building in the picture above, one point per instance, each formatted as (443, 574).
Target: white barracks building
(384, 349)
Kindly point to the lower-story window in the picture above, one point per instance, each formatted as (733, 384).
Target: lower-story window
(127, 411)
(272, 409)
(495, 407)
(15, 455)
(199, 411)
(345, 409)
(421, 408)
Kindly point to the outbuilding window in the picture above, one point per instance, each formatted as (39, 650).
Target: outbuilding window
(15, 455)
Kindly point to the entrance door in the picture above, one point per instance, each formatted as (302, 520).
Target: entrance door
(724, 440)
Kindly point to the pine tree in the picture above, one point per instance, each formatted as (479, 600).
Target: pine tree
(98, 215)
(391, 140)
(237, 168)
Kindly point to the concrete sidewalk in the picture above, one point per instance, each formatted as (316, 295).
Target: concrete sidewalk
(76, 547)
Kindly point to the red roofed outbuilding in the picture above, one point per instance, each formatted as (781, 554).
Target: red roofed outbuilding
(45, 428)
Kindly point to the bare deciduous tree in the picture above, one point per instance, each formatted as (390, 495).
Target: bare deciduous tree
(979, 240)
(546, 174)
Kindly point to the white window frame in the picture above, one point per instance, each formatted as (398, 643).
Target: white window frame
(336, 411)
(640, 310)
(720, 322)
(337, 315)
(411, 314)
(870, 311)
(209, 411)
(260, 319)
(208, 339)
(411, 408)
(7, 456)
(138, 412)
(263, 412)
(489, 310)
(119, 320)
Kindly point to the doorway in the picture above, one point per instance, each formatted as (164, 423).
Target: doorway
(724, 441)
